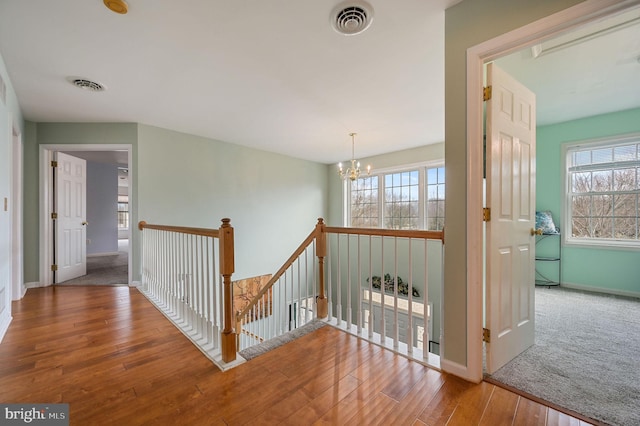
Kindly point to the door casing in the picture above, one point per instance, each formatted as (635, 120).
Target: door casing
(477, 56)
(46, 154)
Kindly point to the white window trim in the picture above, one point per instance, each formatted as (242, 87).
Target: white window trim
(601, 243)
(421, 166)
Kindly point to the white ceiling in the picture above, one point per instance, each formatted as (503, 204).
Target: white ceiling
(271, 75)
(589, 71)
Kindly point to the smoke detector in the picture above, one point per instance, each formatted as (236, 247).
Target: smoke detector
(352, 17)
(86, 84)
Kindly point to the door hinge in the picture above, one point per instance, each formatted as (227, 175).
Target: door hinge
(54, 267)
(486, 93)
(54, 215)
(54, 164)
(486, 335)
(486, 214)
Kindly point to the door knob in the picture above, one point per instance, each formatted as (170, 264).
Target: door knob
(536, 231)
(85, 223)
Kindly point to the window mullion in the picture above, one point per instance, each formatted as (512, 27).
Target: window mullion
(381, 192)
(422, 196)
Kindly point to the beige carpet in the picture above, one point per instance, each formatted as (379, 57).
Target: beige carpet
(586, 356)
(106, 270)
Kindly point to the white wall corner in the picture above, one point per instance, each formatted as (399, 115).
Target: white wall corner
(136, 284)
(5, 320)
(459, 370)
(22, 290)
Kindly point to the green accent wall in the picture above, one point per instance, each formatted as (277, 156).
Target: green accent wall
(611, 270)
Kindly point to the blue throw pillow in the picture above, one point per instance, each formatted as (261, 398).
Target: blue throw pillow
(544, 221)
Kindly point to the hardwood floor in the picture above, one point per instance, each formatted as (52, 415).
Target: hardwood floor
(109, 354)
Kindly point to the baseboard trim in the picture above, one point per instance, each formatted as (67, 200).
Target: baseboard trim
(34, 284)
(591, 289)
(107, 253)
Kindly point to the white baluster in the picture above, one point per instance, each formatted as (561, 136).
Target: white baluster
(396, 329)
(370, 323)
(410, 298)
(425, 300)
(349, 310)
(383, 330)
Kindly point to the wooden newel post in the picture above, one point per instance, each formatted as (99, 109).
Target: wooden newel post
(226, 269)
(321, 252)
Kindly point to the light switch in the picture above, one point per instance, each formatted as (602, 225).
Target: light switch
(6, 204)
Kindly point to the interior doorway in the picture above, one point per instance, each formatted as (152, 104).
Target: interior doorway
(477, 56)
(109, 263)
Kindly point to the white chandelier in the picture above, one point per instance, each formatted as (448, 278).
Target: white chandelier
(352, 172)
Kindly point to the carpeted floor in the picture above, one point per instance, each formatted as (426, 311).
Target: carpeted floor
(586, 357)
(106, 270)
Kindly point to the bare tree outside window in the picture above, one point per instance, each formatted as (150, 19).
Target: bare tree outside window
(410, 199)
(364, 202)
(605, 192)
(435, 199)
(401, 200)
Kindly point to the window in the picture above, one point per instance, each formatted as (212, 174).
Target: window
(603, 192)
(123, 212)
(403, 199)
(364, 202)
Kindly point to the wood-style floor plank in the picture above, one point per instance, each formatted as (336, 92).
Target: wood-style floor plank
(109, 354)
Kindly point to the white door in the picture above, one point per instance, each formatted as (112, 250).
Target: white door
(511, 150)
(71, 224)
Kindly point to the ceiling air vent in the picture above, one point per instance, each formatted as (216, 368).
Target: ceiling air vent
(352, 18)
(85, 84)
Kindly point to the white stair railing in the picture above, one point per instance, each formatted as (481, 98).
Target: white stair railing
(183, 275)
(382, 285)
(379, 285)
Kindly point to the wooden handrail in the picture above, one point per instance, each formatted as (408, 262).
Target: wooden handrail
(181, 229)
(402, 233)
(277, 275)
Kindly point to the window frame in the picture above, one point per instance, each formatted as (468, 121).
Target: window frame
(422, 168)
(127, 212)
(567, 213)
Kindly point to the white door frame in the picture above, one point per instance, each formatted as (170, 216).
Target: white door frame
(17, 274)
(46, 152)
(519, 38)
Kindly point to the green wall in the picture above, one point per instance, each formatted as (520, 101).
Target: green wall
(273, 200)
(468, 24)
(612, 270)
